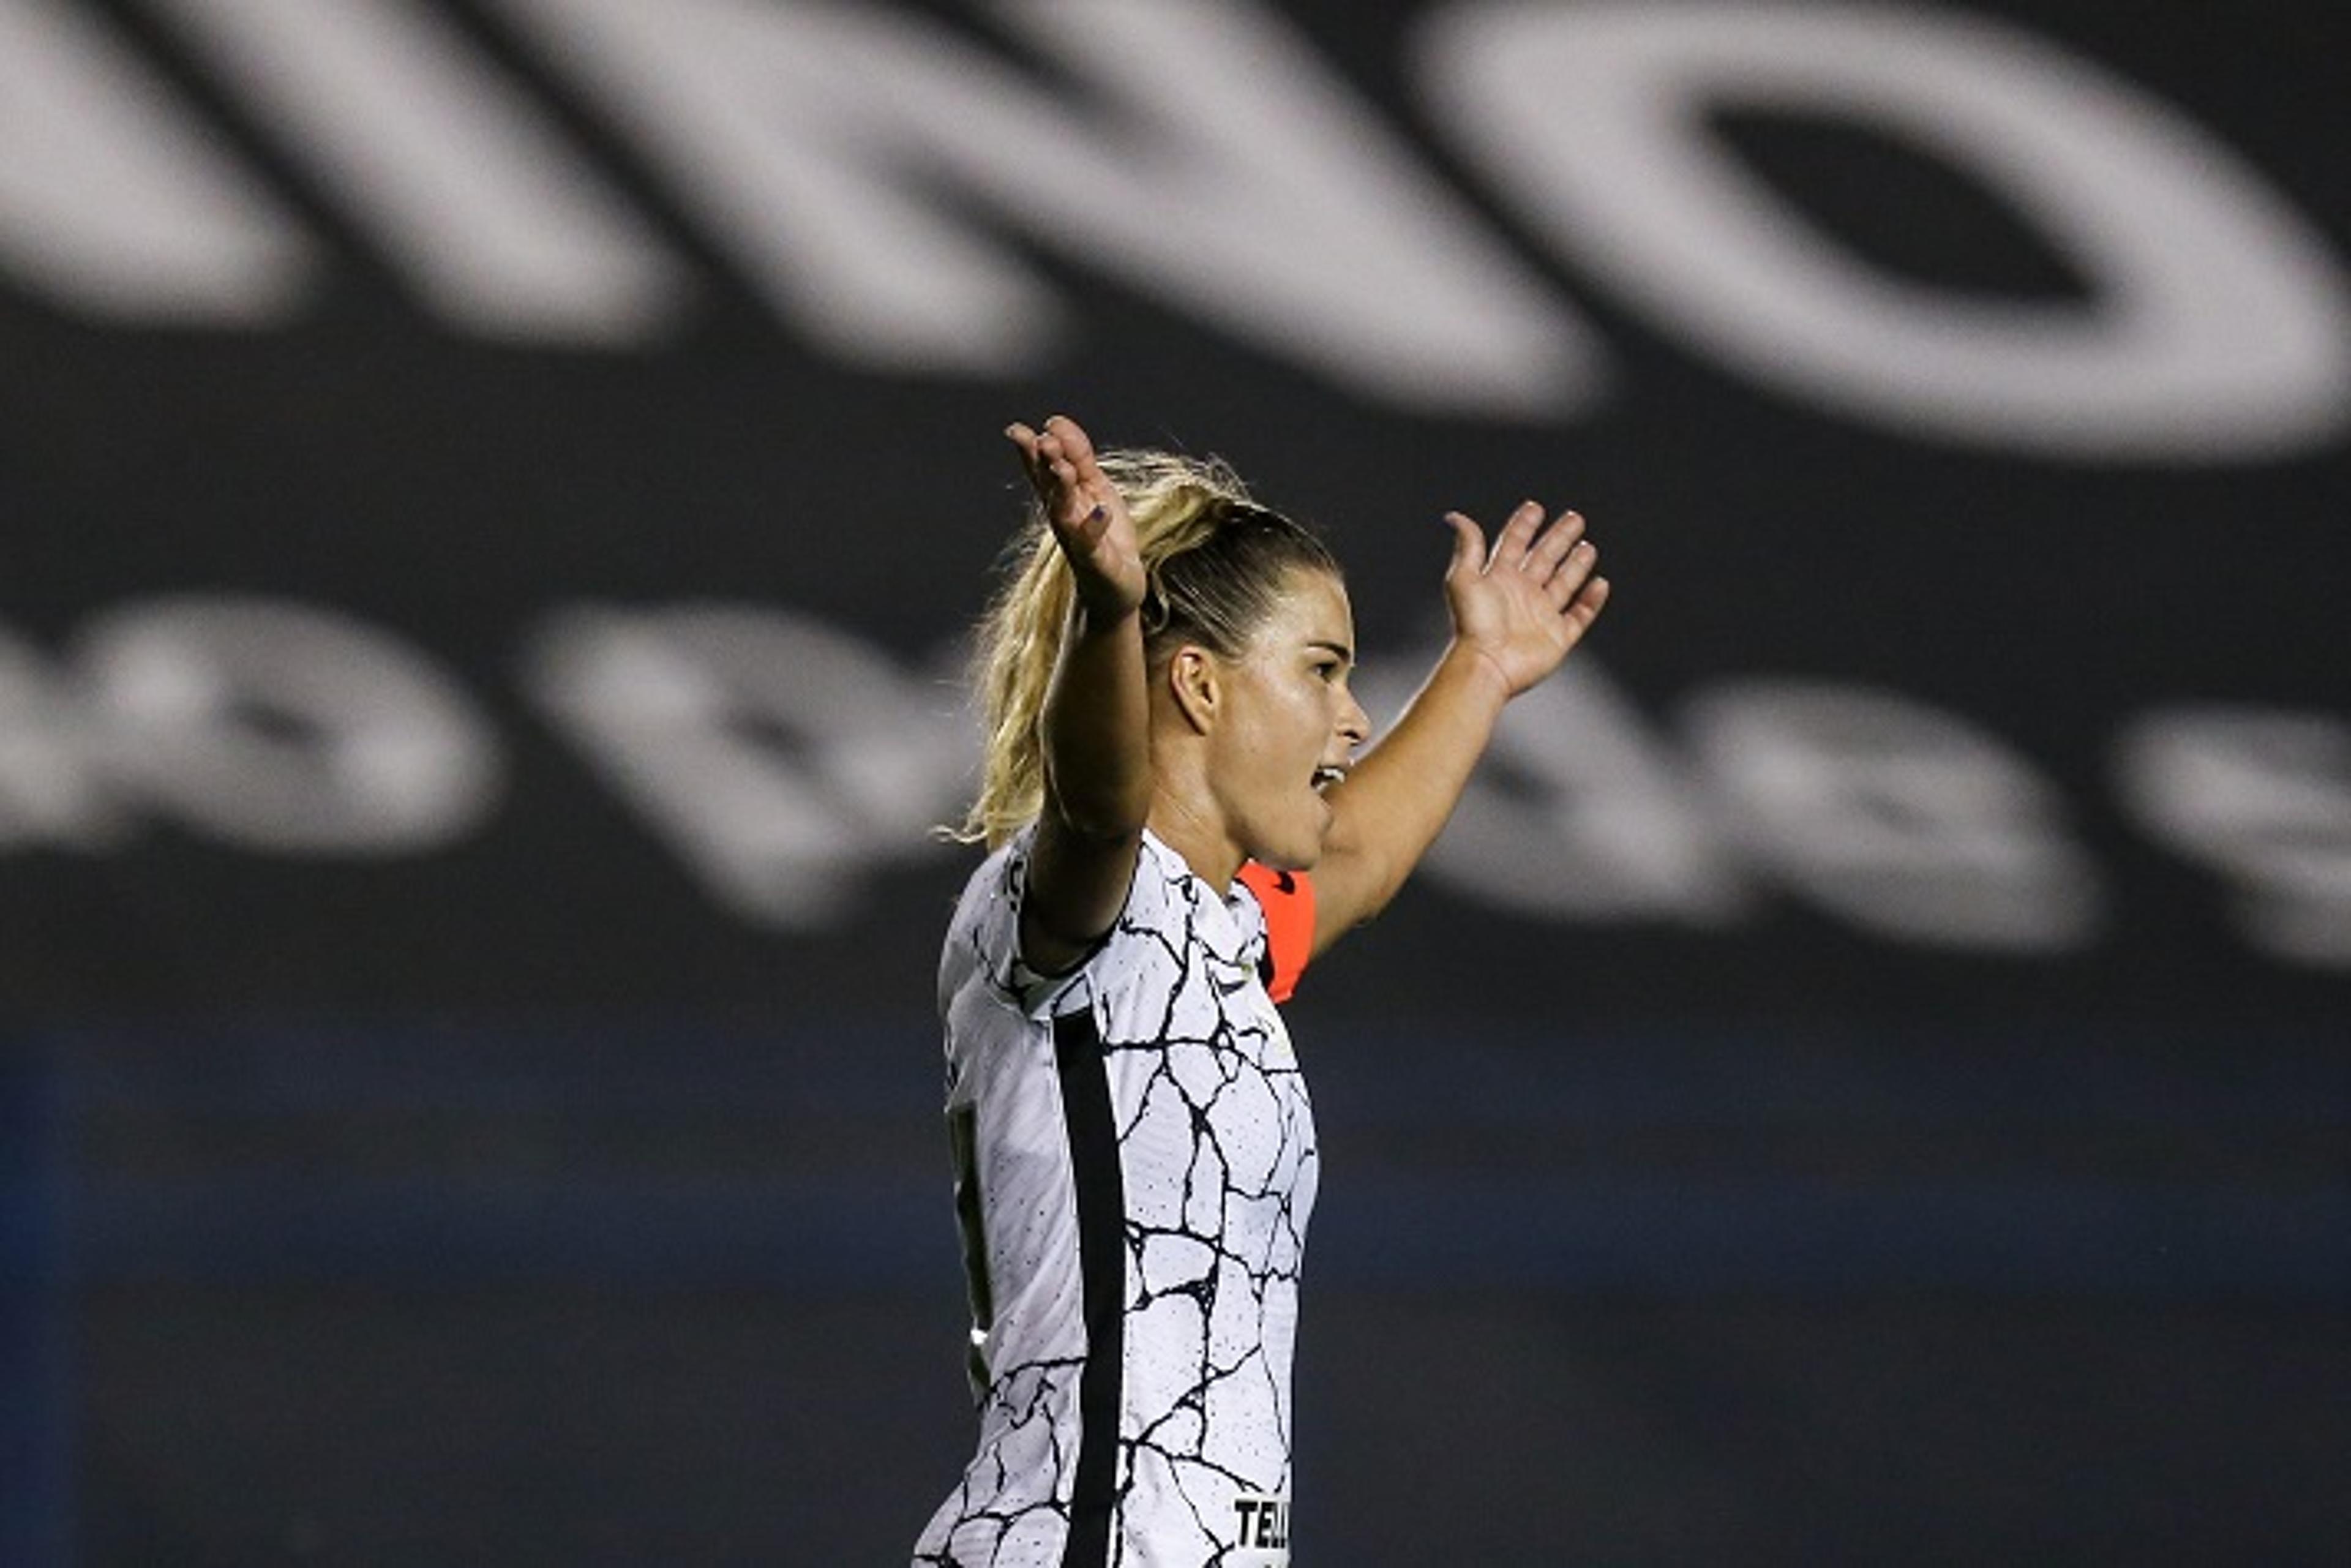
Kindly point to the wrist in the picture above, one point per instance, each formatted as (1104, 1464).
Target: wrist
(1477, 671)
(1108, 617)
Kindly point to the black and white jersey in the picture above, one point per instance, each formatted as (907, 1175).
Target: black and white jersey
(1136, 1162)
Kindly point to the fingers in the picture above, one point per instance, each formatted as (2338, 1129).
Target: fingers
(1526, 545)
(1586, 607)
(1555, 546)
(1566, 585)
(1060, 465)
(1469, 546)
(1034, 462)
(1062, 446)
(1072, 440)
(1558, 558)
(1517, 537)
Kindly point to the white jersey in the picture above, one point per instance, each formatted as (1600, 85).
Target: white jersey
(1136, 1162)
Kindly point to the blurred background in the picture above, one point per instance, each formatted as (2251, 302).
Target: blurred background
(495, 491)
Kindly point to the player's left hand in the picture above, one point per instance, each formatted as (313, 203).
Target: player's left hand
(1524, 603)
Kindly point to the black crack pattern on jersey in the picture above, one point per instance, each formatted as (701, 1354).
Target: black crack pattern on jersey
(994, 1503)
(1191, 1256)
(1216, 1146)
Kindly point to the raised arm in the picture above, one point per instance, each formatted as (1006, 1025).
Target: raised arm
(1096, 718)
(1518, 609)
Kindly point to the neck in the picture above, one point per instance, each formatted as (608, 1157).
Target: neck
(1214, 858)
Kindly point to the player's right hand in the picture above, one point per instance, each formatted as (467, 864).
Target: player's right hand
(1086, 513)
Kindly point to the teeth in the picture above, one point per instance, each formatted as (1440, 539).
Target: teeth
(1326, 777)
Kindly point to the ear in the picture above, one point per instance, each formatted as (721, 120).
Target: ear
(1194, 686)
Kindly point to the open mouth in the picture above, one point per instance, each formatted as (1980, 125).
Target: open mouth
(1327, 775)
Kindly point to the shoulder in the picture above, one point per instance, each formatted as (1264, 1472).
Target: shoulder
(983, 937)
(983, 941)
(992, 893)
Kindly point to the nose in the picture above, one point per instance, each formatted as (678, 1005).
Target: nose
(1354, 724)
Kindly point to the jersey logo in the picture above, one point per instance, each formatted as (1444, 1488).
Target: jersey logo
(1262, 1537)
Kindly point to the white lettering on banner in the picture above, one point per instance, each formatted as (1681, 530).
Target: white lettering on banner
(1581, 811)
(787, 763)
(2220, 329)
(285, 727)
(783, 760)
(841, 153)
(51, 787)
(113, 201)
(1225, 170)
(2265, 798)
(469, 187)
(1904, 820)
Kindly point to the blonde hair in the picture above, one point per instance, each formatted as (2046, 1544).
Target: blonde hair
(1215, 561)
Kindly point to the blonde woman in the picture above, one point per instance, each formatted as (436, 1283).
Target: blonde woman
(1176, 823)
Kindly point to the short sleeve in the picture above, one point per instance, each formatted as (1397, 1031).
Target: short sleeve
(996, 932)
(1287, 897)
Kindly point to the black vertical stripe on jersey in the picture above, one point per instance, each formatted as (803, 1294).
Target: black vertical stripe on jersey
(1102, 1272)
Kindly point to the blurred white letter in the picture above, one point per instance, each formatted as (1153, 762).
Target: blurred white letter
(470, 188)
(285, 727)
(2265, 798)
(1896, 816)
(1580, 812)
(50, 792)
(2222, 325)
(113, 200)
(839, 151)
(781, 759)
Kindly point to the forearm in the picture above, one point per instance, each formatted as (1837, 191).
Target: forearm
(1398, 798)
(1095, 728)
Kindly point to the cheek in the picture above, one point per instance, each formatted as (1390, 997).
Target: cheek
(1285, 722)
(1307, 715)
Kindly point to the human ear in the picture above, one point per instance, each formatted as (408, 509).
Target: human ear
(1193, 685)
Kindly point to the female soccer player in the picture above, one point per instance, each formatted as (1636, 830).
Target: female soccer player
(1176, 825)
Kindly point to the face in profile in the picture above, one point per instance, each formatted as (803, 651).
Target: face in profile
(1289, 725)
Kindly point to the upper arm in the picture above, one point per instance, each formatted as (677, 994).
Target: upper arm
(1077, 885)
(1361, 867)
(1349, 887)
(1391, 807)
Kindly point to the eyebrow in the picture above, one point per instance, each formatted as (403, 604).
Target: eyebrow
(1327, 646)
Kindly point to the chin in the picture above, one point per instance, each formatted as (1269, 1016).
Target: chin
(1297, 852)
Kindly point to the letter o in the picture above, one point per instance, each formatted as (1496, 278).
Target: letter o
(285, 727)
(2221, 329)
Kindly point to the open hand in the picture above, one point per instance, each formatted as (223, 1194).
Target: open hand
(1086, 513)
(1528, 600)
